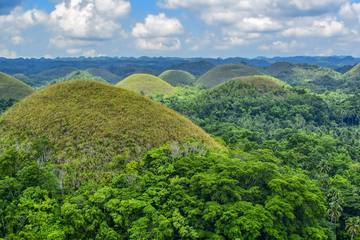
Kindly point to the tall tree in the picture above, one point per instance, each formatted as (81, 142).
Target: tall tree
(353, 227)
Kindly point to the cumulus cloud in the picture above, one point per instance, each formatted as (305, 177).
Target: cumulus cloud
(159, 44)
(293, 7)
(89, 19)
(82, 52)
(16, 40)
(65, 43)
(18, 20)
(198, 43)
(281, 46)
(158, 32)
(350, 11)
(247, 21)
(327, 27)
(21, 19)
(258, 24)
(4, 52)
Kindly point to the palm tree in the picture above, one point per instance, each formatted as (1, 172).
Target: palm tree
(353, 226)
(335, 208)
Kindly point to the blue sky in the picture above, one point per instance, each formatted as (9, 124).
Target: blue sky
(184, 28)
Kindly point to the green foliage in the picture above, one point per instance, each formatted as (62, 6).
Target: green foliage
(174, 192)
(178, 77)
(11, 88)
(353, 226)
(292, 127)
(72, 163)
(352, 78)
(255, 103)
(311, 76)
(146, 84)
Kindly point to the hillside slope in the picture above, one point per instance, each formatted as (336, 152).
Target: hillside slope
(178, 77)
(80, 75)
(88, 123)
(12, 88)
(315, 77)
(104, 74)
(146, 84)
(222, 73)
(261, 83)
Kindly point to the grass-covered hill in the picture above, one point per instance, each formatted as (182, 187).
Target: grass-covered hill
(353, 74)
(104, 74)
(178, 77)
(12, 88)
(196, 68)
(88, 124)
(305, 75)
(223, 73)
(259, 103)
(49, 75)
(262, 83)
(146, 84)
(352, 78)
(354, 71)
(80, 75)
(22, 77)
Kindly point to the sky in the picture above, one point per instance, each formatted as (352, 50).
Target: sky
(179, 28)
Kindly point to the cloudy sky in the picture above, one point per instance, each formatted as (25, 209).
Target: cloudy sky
(185, 28)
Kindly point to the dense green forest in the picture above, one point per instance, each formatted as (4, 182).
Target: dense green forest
(89, 160)
(318, 134)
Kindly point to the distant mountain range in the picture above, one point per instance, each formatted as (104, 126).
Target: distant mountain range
(36, 72)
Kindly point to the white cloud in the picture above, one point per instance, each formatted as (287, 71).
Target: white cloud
(350, 11)
(158, 32)
(66, 43)
(158, 26)
(73, 51)
(281, 46)
(16, 40)
(89, 19)
(294, 7)
(327, 27)
(269, 22)
(19, 19)
(198, 43)
(4, 52)
(258, 24)
(318, 5)
(82, 52)
(159, 44)
(90, 53)
(13, 24)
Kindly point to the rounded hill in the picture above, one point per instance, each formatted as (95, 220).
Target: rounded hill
(178, 77)
(146, 84)
(259, 82)
(104, 74)
(305, 75)
(223, 73)
(12, 88)
(80, 75)
(258, 103)
(88, 123)
(353, 72)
